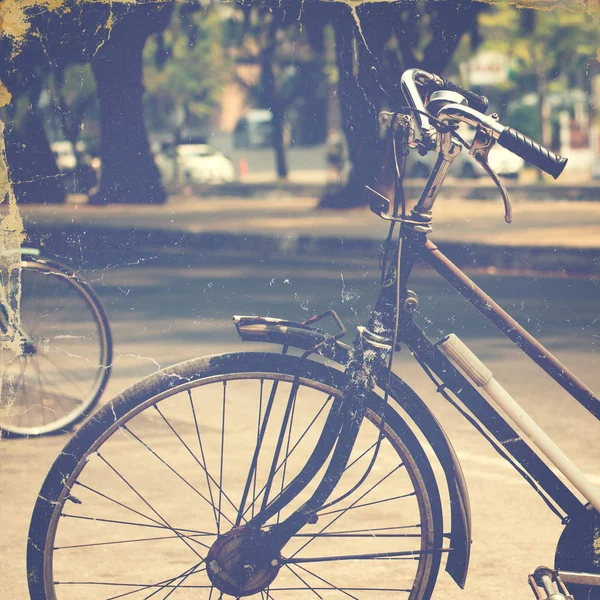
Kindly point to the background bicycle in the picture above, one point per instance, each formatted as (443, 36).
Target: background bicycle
(56, 348)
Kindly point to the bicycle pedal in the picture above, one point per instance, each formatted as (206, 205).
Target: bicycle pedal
(547, 585)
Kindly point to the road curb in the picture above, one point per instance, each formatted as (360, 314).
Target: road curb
(467, 191)
(89, 242)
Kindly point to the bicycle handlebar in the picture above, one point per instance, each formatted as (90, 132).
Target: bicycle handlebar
(474, 114)
(533, 152)
(509, 138)
(477, 102)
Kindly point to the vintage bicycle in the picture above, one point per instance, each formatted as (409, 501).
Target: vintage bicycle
(56, 346)
(304, 473)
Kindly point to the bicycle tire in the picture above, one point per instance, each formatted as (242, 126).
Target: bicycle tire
(56, 381)
(111, 476)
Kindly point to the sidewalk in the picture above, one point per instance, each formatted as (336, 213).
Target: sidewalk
(561, 235)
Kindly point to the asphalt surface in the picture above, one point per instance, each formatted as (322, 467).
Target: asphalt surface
(558, 236)
(170, 306)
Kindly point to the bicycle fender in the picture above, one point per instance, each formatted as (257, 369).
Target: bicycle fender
(296, 335)
(457, 564)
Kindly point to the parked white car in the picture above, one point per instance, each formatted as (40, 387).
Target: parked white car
(194, 163)
(64, 155)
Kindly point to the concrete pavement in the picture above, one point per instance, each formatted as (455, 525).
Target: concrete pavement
(562, 235)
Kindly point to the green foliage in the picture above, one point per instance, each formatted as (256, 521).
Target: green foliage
(72, 110)
(557, 43)
(185, 69)
(269, 39)
(526, 119)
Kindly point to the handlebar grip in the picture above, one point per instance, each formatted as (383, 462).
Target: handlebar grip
(532, 152)
(477, 102)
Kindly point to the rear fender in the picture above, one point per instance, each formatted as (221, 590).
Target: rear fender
(313, 340)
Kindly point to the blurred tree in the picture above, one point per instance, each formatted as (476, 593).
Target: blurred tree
(375, 42)
(270, 36)
(129, 174)
(111, 36)
(551, 50)
(31, 165)
(70, 96)
(185, 69)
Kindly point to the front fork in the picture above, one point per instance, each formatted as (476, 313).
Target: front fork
(370, 354)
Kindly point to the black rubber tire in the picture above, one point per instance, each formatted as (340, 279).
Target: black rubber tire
(92, 380)
(62, 482)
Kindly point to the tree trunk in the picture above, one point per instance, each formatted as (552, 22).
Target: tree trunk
(361, 96)
(129, 174)
(279, 143)
(359, 105)
(31, 165)
(271, 98)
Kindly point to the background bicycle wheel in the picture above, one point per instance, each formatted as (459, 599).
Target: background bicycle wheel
(57, 364)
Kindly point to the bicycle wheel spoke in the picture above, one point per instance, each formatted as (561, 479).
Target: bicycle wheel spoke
(168, 466)
(343, 512)
(189, 450)
(182, 578)
(354, 507)
(303, 581)
(182, 538)
(252, 467)
(286, 416)
(118, 503)
(204, 464)
(68, 377)
(131, 541)
(154, 525)
(222, 457)
(286, 458)
(160, 585)
(261, 429)
(329, 584)
(407, 554)
(287, 450)
(366, 533)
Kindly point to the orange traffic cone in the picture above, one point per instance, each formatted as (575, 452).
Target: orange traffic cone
(243, 167)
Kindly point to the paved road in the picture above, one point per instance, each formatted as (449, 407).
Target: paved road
(172, 308)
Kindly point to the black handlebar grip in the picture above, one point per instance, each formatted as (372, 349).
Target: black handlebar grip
(532, 152)
(475, 101)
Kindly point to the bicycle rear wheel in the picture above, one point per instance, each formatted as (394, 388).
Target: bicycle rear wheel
(153, 482)
(56, 352)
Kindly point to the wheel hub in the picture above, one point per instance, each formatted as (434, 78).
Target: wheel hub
(240, 563)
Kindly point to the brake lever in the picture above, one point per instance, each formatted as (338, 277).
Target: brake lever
(483, 142)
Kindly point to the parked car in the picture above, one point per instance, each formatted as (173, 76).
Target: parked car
(64, 155)
(79, 177)
(255, 130)
(194, 163)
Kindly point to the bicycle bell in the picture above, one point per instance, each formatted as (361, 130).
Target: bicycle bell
(441, 98)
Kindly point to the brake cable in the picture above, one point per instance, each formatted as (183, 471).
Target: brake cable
(399, 202)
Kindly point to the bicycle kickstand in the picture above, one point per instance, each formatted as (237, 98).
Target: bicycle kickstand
(547, 585)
